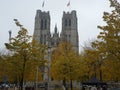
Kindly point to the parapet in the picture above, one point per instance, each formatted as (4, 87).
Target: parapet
(42, 13)
(72, 13)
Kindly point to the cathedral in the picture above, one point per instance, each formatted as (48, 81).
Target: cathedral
(68, 33)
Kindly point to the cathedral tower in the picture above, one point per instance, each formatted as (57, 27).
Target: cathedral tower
(42, 27)
(69, 29)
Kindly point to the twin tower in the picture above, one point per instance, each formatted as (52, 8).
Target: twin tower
(68, 33)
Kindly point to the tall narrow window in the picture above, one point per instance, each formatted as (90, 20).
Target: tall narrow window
(42, 24)
(45, 24)
(65, 22)
(66, 37)
(69, 38)
(41, 39)
(69, 22)
(45, 39)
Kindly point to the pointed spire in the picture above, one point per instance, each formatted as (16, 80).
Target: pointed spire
(55, 28)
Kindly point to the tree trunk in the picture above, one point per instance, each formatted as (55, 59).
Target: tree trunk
(22, 74)
(71, 85)
(65, 84)
(100, 75)
(21, 84)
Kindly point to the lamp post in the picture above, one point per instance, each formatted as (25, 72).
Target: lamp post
(101, 60)
(36, 77)
(10, 32)
(49, 62)
(48, 66)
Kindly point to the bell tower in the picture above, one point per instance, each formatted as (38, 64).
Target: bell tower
(42, 27)
(69, 29)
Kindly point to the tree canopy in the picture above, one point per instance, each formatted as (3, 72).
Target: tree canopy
(26, 55)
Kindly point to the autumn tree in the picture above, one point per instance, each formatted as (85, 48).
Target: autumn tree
(65, 63)
(3, 66)
(93, 63)
(108, 43)
(26, 55)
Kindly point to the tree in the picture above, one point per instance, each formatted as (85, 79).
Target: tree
(108, 43)
(26, 55)
(65, 64)
(94, 63)
(3, 66)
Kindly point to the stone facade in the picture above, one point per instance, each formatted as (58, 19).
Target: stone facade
(69, 31)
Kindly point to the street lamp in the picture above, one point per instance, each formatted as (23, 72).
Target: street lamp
(36, 78)
(48, 66)
(100, 62)
(10, 32)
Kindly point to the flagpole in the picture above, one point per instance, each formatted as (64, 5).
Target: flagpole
(43, 5)
(69, 5)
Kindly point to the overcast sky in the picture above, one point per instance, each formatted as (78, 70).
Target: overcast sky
(89, 14)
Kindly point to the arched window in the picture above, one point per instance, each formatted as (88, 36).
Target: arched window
(67, 22)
